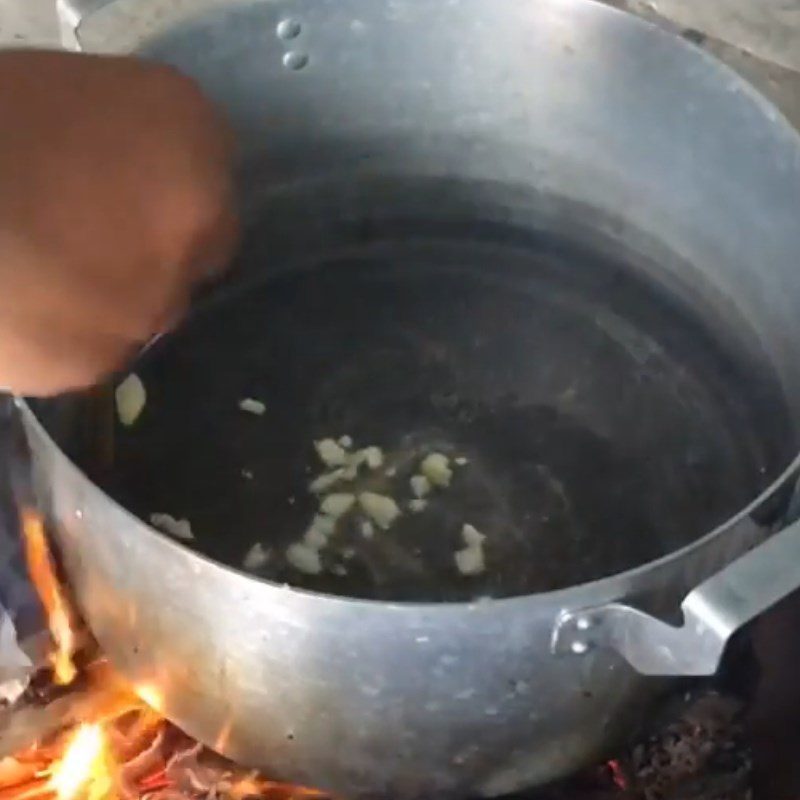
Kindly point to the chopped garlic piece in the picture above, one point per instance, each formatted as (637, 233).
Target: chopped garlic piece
(247, 474)
(315, 538)
(417, 504)
(420, 485)
(472, 536)
(461, 461)
(382, 510)
(336, 505)
(470, 561)
(131, 398)
(304, 558)
(436, 468)
(348, 553)
(257, 556)
(373, 456)
(349, 473)
(339, 569)
(324, 524)
(252, 406)
(330, 452)
(367, 529)
(352, 462)
(179, 528)
(324, 482)
(346, 442)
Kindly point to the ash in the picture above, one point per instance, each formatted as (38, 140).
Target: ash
(695, 749)
(700, 754)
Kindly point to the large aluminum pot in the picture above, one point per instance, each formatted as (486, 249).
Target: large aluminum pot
(571, 97)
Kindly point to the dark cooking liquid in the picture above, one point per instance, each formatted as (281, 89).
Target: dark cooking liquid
(604, 426)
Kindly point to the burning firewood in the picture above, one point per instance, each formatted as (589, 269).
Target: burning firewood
(100, 693)
(99, 741)
(81, 732)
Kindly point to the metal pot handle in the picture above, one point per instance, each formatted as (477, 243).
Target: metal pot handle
(71, 14)
(712, 613)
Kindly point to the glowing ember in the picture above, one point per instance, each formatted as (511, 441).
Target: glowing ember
(43, 575)
(617, 775)
(82, 765)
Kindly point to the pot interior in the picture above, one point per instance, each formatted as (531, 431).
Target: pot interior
(570, 260)
(605, 420)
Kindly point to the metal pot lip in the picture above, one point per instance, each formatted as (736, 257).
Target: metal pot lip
(605, 588)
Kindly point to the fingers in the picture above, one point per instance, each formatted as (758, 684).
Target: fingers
(34, 362)
(105, 235)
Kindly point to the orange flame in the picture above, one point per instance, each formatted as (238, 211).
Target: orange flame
(43, 575)
(82, 766)
(151, 696)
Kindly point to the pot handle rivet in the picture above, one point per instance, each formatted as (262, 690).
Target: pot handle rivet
(288, 29)
(579, 647)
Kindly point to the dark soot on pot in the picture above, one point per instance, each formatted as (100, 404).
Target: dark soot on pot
(604, 423)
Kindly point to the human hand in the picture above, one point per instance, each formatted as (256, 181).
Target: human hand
(115, 200)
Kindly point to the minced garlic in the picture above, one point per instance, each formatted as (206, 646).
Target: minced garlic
(325, 481)
(178, 528)
(472, 536)
(470, 561)
(304, 558)
(382, 510)
(252, 406)
(436, 468)
(131, 398)
(256, 557)
(337, 505)
(330, 452)
(420, 485)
